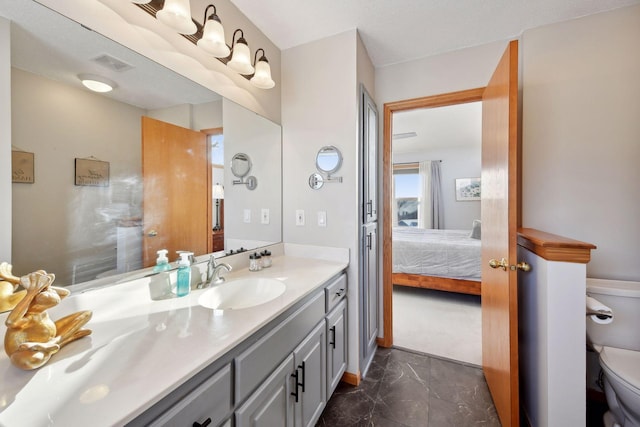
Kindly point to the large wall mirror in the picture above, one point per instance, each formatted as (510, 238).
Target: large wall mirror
(84, 232)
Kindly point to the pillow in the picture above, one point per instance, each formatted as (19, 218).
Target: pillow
(475, 230)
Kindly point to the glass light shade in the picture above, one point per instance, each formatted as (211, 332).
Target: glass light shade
(177, 15)
(241, 59)
(96, 83)
(140, 1)
(262, 78)
(212, 40)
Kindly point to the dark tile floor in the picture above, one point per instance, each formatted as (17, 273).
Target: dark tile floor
(409, 389)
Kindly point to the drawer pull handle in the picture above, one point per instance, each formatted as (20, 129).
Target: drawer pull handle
(332, 343)
(295, 393)
(303, 381)
(204, 424)
(340, 292)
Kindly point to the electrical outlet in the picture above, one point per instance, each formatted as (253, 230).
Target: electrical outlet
(299, 217)
(246, 218)
(264, 216)
(322, 219)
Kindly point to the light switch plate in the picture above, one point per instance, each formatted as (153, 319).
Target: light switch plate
(322, 219)
(299, 217)
(246, 217)
(264, 216)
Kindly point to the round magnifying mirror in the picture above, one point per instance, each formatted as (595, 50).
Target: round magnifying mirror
(240, 165)
(316, 181)
(329, 159)
(252, 182)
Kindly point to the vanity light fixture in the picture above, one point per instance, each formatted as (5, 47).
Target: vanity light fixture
(240, 55)
(212, 40)
(97, 83)
(177, 15)
(262, 77)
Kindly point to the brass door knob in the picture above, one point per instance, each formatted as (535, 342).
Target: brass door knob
(503, 264)
(523, 266)
(152, 233)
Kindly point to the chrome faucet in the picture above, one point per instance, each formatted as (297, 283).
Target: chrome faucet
(213, 272)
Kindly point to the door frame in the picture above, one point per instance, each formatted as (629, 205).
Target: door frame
(441, 100)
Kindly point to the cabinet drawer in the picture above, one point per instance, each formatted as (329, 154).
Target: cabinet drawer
(257, 362)
(211, 399)
(335, 292)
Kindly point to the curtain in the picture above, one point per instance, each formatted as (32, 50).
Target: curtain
(424, 201)
(431, 206)
(394, 204)
(437, 205)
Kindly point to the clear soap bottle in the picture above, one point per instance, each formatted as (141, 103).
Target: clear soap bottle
(184, 274)
(162, 262)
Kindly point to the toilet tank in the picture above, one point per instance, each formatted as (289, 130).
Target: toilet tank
(623, 298)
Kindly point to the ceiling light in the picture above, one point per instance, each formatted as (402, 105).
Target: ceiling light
(241, 56)
(140, 1)
(212, 40)
(177, 15)
(262, 77)
(97, 83)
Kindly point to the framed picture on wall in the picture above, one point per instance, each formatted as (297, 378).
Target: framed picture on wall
(467, 189)
(22, 167)
(92, 172)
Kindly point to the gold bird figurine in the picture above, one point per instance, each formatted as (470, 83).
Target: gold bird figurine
(32, 337)
(8, 287)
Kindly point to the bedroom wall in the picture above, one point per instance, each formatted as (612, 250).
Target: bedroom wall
(581, 136)
(456, 163)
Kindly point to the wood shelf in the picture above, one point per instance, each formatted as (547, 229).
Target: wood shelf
(553, 247)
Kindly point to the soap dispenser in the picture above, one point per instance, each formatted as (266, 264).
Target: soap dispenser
(162, 263)
(184, 274)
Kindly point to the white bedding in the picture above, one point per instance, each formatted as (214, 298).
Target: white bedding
(443, 253)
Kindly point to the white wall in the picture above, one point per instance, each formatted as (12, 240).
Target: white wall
(456, 163)
(319, 107)
(581, 133)
(57, 224)
(5, 139)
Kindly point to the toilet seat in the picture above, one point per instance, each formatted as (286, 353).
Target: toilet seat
(624, 365)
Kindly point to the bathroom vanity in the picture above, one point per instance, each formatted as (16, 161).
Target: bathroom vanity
(176, 362)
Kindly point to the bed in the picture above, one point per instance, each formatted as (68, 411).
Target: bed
(446, 260)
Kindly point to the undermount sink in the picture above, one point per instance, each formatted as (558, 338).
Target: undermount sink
(241, 293)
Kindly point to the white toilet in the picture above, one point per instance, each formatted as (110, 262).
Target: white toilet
(618, 343)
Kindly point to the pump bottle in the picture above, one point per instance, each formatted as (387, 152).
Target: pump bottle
(184, 274)
(162, 263)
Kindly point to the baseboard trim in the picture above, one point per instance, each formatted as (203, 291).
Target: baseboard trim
(353, 379)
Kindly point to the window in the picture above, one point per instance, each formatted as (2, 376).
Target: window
(406, 184)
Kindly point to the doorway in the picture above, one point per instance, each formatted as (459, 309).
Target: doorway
(450, 99)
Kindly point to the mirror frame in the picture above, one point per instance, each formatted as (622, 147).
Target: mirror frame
(241, 156)
(329, 149)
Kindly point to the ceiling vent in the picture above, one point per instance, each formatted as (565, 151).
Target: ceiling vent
(112, 63)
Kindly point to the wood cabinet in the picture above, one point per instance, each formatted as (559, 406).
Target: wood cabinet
(217, 238)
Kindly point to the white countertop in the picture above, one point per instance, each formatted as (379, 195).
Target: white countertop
(140, 350)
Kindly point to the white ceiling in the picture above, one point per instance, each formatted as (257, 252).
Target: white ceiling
(395, 31)
(450, 127)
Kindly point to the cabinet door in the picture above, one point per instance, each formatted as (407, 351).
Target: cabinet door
(337, 346)
(369, 289)
(310, 364)
(272, 403)
(369, 158)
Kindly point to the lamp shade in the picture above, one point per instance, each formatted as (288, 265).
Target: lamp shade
(218, 192)
(212, 40)
(177, 15)
(97, 83)
(241, 58)
(262, 78)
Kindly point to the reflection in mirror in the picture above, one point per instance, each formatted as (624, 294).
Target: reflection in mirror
(81, 233)
(329, 159)
(240, 165)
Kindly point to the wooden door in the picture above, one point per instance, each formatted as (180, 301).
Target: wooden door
(500, 218)
(177, 197)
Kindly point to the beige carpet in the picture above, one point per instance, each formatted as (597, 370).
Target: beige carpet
(444, 324)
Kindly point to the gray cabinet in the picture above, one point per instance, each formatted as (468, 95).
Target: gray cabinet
(369, 293)
(369, 132)
(310, 377)
(336, 345)
(271, 404)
